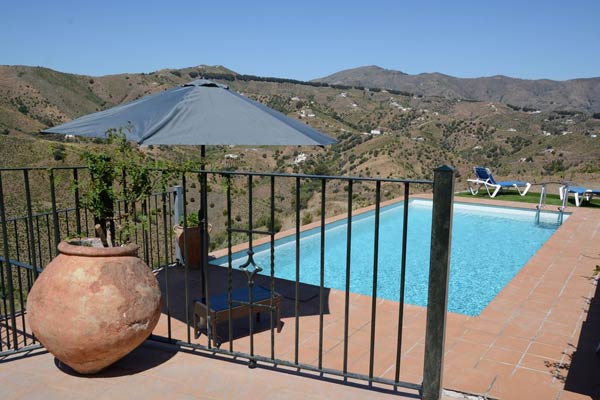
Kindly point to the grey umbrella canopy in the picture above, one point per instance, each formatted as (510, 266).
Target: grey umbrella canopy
(198, 113)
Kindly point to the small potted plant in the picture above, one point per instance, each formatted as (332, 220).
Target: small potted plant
(193, 239)
(92, 305)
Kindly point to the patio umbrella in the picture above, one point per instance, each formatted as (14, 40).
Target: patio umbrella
(202, 113)
(197, 113)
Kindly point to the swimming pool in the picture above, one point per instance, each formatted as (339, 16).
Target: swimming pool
(489, 246)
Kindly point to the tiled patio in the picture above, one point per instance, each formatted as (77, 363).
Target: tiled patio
(535, 340)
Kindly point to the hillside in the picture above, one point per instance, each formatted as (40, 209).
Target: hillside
(543, 94)
(418, 133)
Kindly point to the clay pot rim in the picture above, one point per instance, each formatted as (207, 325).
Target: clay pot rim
(67, 248)
(179, 228)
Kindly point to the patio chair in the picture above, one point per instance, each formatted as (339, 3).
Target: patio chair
(580, 193)
(485, 178)
(240, 307)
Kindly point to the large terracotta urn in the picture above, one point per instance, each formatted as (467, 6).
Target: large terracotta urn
(194, 244)
(91, 306)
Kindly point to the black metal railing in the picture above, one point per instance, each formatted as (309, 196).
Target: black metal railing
(256, 206)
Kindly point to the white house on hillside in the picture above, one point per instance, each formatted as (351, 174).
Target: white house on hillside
(300, 158)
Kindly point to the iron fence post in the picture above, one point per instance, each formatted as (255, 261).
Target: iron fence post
(178, 212)
(55, 224)
(77, 201)
(439, 268)
(31, 233)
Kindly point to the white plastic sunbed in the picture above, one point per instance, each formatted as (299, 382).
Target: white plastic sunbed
(485, 178)
(580, 193)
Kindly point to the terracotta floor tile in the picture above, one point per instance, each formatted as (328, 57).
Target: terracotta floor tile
(411, 365)
(503, 355)
(552, 338)
(512, 343)
(470, 380)
(546, 350)
(564, 317)
(566, 395)
(495, 367)
(382, 362)
(536, 309)
(479, 337)
(465, 355)
(558, 328)
(537, 363)
(486, 325)
(417, 350)
(520, 387)
(534, 377)
(522, 327)
(50, 393)
(496, 312)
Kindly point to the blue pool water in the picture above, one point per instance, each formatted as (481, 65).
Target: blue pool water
(489, 246)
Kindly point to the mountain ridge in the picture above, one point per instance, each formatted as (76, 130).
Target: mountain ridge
(582, 94)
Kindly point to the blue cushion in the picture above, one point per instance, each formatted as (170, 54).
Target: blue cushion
(219, 302)
(512, 183)
(577, 189)
(581, 190)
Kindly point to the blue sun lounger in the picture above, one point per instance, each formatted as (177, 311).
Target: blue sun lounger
(485, 178)
(580, 193)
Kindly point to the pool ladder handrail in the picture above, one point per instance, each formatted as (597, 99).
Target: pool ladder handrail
(542, 203)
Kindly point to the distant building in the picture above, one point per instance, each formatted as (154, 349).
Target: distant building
(395, 104)
(375, 132)
(300, 158)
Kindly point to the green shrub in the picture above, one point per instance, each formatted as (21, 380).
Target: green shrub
(192, 220)
(58, 151)
(307, 218)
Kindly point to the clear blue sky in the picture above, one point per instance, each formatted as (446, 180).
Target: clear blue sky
(306, 39)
